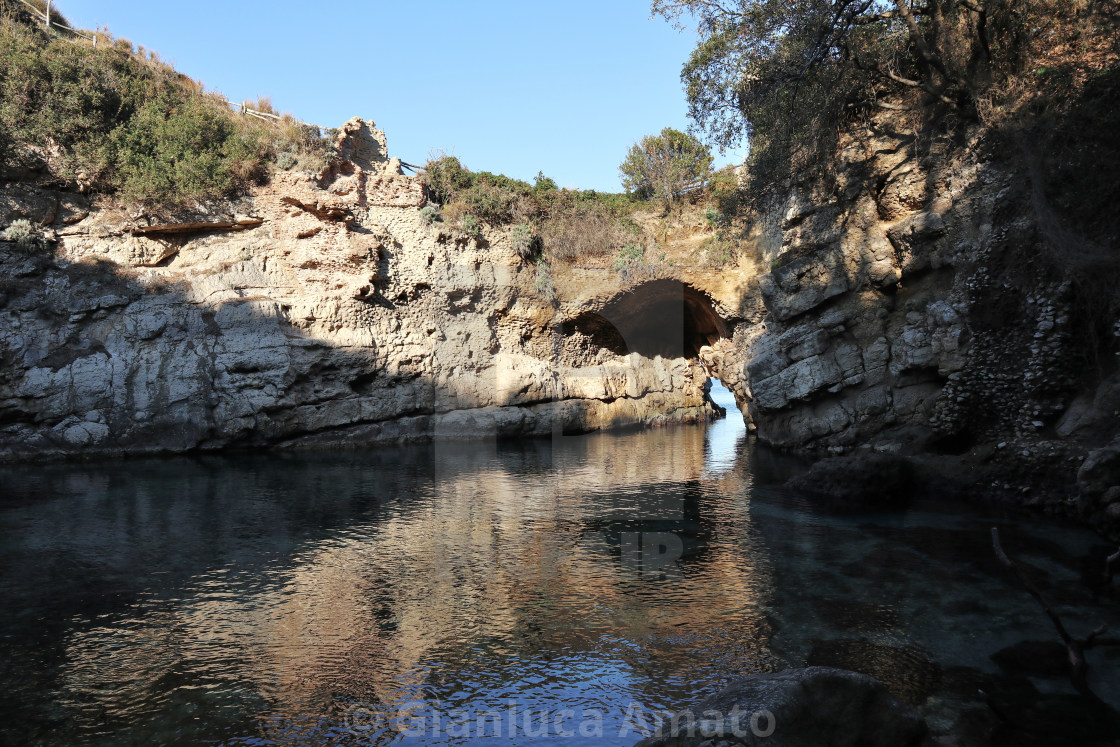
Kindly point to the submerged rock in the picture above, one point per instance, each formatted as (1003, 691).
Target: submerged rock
(905, 670)
(858, 482)
(810, 707)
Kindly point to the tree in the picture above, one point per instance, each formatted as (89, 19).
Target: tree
(784, 72)
(666, 165)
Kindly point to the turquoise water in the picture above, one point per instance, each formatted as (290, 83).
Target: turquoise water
(441, 594)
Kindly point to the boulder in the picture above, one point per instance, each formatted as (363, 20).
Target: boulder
(809, 707)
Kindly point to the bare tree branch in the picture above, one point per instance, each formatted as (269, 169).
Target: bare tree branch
(1075, 647)
(919, 40)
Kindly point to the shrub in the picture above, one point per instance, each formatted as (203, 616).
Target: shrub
(586, 224)
(493, 198)
(524, 242)
(542, 183)
(286, 160)
(18, 11)
(725, 191)
(573, 223)
(629, 254)
(308, 148)
(471, 226)
(715, 218)
(631, 262)
(24, 235)
(429, 214)
(444, 177)
(174, 151)
(545, 286)
(117, 121)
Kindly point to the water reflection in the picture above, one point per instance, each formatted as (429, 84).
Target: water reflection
(726, 435)
(307, 598)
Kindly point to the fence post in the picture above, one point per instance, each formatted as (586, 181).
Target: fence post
(47, 17)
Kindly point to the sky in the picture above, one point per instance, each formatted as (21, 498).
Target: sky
(562, 87)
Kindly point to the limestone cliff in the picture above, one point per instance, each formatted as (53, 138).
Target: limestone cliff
(319, 309)
(914, 304)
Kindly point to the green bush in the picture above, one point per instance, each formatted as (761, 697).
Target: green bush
(715, 218)
(631, 263)
(628, 255)
(471, 226)
(545, 285)
(573, 223)
(542, 183)
(429, 214)
(286, 160)
(493, 198)
(24, 235)
(117, 121)
(173, 151)
(524, 242)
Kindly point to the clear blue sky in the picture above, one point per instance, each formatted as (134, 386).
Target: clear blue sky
(563, 87)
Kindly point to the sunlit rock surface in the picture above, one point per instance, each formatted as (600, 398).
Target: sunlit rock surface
(319, 309)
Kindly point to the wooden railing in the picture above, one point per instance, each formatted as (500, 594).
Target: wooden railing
(48, 23)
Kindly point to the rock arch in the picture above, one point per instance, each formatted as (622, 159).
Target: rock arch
(663, 317)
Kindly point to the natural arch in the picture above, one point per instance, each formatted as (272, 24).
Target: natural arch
(662, 317)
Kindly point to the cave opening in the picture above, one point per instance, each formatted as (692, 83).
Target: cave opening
(661, 317)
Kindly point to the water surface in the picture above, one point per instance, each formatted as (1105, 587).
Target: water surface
(429, 595)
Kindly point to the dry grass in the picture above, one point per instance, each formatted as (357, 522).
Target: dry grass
(584, 230)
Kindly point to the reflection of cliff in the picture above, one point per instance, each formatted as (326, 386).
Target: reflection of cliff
(485, 560)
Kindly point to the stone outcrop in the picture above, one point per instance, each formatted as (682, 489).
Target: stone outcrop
(319, 309)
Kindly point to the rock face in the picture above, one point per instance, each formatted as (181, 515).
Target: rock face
(810, 707)
(869, 299)
(319, 309)
(917, 300)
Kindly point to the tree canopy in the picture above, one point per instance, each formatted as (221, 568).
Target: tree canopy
(783, 72)
(665, 165)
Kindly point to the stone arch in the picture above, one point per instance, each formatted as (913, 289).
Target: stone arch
(661, 317)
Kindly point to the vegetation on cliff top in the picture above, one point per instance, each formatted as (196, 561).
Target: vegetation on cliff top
(627, 232)
(113, 119)
(564, 223)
